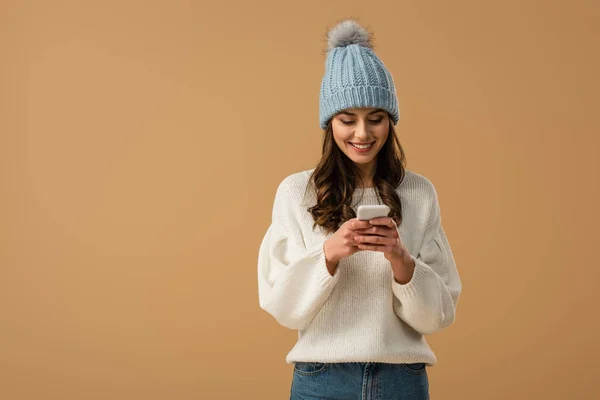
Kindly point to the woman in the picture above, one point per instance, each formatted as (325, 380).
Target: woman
(361, 293)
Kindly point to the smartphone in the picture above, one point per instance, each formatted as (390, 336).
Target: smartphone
(368, 212)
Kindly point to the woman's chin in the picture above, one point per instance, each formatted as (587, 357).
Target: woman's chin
(362, 160)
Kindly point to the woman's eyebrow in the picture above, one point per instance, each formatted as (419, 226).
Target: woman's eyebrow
(354, 115)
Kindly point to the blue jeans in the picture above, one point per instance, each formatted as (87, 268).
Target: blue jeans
(359, 381)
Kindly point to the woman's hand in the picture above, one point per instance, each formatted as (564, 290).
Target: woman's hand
(382, 235)
(342, 244)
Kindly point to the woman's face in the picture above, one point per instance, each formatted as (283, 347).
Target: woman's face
(367, 127)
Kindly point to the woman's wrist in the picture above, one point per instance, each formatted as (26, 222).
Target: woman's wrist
(329, 260)
(403, 268)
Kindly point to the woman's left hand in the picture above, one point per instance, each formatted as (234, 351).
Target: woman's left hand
(383, 236)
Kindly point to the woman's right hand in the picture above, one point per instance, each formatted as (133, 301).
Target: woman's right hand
(342, 244)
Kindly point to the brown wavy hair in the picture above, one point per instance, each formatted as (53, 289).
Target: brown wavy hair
(335, 177)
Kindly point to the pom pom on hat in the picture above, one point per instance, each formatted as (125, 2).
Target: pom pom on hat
(346, 33)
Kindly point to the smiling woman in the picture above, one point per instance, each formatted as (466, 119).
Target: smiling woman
(361, 293)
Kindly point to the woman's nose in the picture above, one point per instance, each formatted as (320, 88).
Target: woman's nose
(362, 130)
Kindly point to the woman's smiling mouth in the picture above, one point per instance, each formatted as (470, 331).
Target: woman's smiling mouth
(361, 148)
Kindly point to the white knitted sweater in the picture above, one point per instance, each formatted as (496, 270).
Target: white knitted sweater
(360, 313)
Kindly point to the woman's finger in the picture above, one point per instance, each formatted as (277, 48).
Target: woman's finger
(374, 239)
(382, 231)
(376, 247)
(385, 221)
(359, 224)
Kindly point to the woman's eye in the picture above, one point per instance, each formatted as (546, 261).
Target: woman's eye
(371, 121)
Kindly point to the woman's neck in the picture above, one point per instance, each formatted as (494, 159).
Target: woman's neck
(367, 173)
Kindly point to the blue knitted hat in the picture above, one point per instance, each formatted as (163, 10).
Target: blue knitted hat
(354, 75)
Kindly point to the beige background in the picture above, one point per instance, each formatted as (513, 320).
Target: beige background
(142, 144)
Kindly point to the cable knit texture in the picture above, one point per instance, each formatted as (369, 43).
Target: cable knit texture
(360, 314)
(356, 77)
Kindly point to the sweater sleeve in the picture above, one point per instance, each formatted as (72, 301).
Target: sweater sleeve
(293, 280)
(428, 301)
